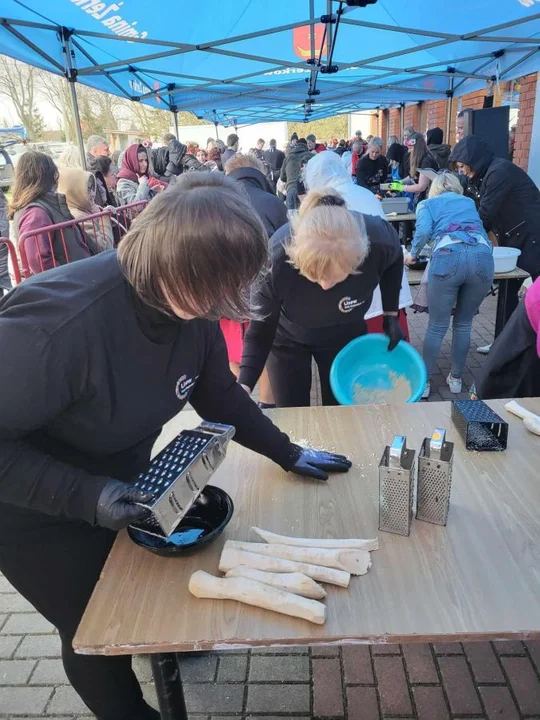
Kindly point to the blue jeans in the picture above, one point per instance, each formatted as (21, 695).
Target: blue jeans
(460, 275)
(292, 202)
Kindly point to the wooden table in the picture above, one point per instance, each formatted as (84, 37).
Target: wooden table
(476, 579)
(501, 315)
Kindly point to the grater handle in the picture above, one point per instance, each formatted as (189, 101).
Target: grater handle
(436, 443)
(398, 448)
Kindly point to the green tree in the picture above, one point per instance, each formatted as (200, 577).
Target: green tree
(331, 127)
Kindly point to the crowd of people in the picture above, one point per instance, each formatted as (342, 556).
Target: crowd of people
(472, 194)
(245, 267)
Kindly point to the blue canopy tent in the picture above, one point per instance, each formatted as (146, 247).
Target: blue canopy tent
(286, 60)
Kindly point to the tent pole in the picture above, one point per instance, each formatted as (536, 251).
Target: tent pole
(175, 118)
(71, 77)
(449, 109)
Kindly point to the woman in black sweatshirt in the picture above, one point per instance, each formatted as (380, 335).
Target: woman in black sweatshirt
(313, 301)
(102, 353)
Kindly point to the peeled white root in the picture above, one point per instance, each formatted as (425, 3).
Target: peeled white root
(291, 582)
(356, 562)
(352, 544)
(530, 420)
(532, 424)
(251, 592)
(232, 558)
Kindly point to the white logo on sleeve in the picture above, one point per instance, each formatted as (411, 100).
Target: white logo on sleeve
(347, 304)
(184, 386)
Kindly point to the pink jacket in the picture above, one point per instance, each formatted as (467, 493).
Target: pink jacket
(532, 305)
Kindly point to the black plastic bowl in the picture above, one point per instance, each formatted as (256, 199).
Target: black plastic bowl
(206, 520)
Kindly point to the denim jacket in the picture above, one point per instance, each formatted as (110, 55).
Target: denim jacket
(448, 214)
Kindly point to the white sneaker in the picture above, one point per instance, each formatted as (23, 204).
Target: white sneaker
(427, 390)
(454, 384)
(484, 349)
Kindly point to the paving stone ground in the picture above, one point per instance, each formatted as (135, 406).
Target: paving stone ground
(493, 681)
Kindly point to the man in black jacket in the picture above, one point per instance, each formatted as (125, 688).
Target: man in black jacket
(291, 171)
(246, 170)
(508, 202)
(275, 159)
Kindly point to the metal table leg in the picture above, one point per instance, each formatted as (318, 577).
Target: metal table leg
(169, 688)
(502, 299)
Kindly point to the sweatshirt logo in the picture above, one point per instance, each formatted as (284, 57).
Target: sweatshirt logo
(184, 385)
(347, 304)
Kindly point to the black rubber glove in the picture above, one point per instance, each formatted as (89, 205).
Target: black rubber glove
(318, 463)
(393, 330)
(116, 508)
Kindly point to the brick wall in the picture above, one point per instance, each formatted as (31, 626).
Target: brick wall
(525, 121)
(394, 122)
(412, 116)
(435, 114)
(383, 125)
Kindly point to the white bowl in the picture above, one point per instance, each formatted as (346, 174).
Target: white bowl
(505, 259)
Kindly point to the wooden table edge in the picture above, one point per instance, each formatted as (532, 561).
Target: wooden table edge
(208, 646)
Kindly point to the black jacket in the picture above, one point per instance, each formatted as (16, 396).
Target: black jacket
(508, 200)
(79, 404)
(299, 314)
(292, 165)
(179, 160)
(269, 208)
(275, 159)
(440, 154)
(160, 160)
(371, 173)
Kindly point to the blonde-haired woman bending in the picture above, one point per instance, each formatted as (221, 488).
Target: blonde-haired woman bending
(325, 268)
(460, 272)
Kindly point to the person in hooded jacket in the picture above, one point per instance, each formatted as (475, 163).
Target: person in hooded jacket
(135, 183)
(291, 171)
(508, 202)
(247, 170)
(439, 151)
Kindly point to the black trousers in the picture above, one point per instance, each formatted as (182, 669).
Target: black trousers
(289, 369)
(57, 575)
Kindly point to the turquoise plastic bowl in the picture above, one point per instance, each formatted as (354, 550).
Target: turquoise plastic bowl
(366, 361)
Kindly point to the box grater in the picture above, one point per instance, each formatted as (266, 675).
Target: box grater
(396, 487)
(479, 426)
(434, 478)
(178, 474)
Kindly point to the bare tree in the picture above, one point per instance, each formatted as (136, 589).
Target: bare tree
(150, 121)
(17, 82)
(55, 90)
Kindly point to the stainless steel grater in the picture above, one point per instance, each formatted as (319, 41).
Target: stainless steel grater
(435, 478)
(396, 487)
(179, 473)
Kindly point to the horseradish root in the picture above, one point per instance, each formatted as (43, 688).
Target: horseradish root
(356, 562)
(290, 582)
(251, 592)
(330, 543)
(232, 558)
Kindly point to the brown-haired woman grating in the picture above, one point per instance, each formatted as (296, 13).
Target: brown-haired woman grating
(96, 350)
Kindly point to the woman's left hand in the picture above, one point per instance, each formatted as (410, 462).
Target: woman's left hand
(392, 330)
(318, 463)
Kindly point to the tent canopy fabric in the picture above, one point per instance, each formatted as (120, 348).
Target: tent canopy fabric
(245, 61)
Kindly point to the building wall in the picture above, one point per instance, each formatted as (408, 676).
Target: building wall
(394, 122)
(524, 127)
(433, 114)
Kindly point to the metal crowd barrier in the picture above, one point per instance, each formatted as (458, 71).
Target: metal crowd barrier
(36, 249)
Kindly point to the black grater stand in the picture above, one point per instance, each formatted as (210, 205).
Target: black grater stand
(480, 427)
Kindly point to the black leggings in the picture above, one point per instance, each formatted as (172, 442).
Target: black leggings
(289, 368)
(57, 575)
